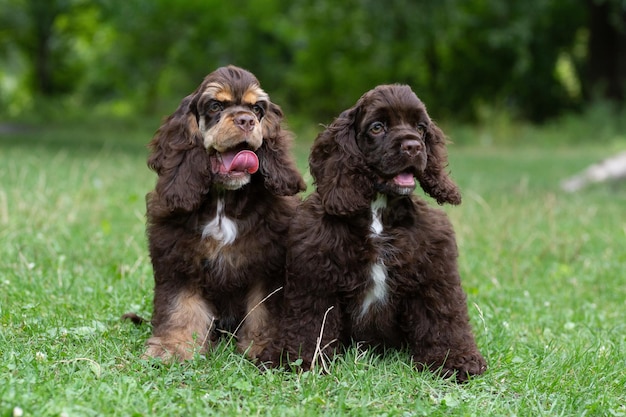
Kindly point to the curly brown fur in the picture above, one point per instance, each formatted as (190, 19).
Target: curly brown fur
(218, 216)
(365, 245)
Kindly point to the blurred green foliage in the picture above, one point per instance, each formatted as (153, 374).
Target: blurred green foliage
(464, 58)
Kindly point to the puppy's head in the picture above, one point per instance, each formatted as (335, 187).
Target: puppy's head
(220, 135)
(230, 108)
(383, 144)
(391, 133)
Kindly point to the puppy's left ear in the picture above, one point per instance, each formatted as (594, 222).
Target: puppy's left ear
(277, 166)
(435, 179)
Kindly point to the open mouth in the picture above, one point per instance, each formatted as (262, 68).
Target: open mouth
(404, 179)
(234, 161)
(402, 183)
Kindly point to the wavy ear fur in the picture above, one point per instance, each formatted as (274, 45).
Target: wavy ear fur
(339, 169)
(280, 175)
(435, 180)
(179, 158)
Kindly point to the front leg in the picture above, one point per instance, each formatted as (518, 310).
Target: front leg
(440, 336)
(182, 317)
(182, 321)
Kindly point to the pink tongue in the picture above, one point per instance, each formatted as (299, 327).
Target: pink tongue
(404, 180)
(242, 161)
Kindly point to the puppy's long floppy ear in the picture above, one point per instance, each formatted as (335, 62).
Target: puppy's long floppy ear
(179, 158)
(280, 175)
(339, 169)
(435, 180)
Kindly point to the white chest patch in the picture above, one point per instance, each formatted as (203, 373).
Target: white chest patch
(377, 206)
(377, 292)
(220, 228)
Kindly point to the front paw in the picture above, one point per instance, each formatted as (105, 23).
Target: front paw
(169, 351)
(266, 358)
(462, 367)
(459, 367)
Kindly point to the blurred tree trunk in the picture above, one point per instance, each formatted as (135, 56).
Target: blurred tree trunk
(606, 73)
(43, 13)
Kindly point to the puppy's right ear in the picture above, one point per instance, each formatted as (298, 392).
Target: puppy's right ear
(339, 169)
(179, 158)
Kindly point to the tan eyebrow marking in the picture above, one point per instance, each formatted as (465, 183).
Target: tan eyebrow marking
(218, 92)
(254, 94)
(224, 95)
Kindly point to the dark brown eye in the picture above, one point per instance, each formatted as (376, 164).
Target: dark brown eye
(421, 128)
(215, 107)
(376, 128)
(258, 111)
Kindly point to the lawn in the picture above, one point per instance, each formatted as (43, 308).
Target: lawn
(543, 270)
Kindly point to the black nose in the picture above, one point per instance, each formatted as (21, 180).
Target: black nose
(411, 147)
(245, 122)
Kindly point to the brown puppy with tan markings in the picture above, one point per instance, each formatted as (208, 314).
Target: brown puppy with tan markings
(218, 217)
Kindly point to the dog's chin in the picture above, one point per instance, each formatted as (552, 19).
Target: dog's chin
(389, 188)
(232, 180)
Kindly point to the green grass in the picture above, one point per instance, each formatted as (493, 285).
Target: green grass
(544, 273)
